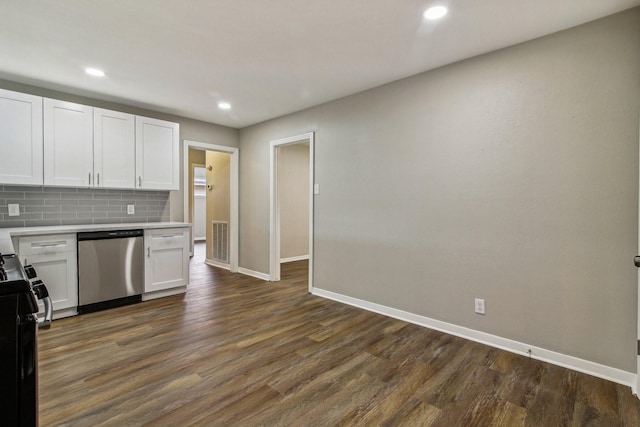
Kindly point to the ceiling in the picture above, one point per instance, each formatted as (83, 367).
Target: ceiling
(267, 58)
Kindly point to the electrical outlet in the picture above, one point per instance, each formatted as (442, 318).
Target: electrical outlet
(131, 209)
(479, 306)
(14, 209)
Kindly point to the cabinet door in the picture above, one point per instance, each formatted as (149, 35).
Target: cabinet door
(166, 259)
(157, 154)
(20, 138)
(114, 149)
(68, 144)
(54, 258)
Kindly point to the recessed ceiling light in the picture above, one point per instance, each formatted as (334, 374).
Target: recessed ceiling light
(224, 105)
(94, 72)
(435, 12)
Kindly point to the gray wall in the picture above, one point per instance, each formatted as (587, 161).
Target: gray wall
(44, 206)
(190, 129)
(512, 176)
(293, 194)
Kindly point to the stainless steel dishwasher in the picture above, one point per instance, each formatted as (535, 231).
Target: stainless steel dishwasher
(110, 269)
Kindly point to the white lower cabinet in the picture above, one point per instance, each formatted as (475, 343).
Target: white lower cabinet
(55, 260)
(166, 258)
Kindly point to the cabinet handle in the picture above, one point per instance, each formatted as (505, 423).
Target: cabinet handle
(89, 179)
(98, 179)
(47, 245)
(148, 251)
(139, 181)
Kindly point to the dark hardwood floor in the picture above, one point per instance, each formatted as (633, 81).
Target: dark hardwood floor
(237, 351)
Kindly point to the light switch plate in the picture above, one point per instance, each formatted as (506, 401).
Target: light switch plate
(131, 209)
(316, 188)
(14, 209)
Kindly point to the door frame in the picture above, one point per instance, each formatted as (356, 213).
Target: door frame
(274, 223)
(234, 172)
(193, 201)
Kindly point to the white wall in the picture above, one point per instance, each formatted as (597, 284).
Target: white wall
(512, 176)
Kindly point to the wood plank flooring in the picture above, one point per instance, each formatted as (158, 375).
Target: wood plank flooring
(236, 351)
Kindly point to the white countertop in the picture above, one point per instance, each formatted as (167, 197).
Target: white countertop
(6, 246)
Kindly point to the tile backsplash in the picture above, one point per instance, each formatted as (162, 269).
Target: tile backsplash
(41, 206)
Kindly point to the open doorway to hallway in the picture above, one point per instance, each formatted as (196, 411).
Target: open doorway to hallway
(211, 201)
(291, 196)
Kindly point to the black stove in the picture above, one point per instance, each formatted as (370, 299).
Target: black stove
(19, 341)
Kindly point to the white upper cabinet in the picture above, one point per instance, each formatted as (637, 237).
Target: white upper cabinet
(20, 138)
(68, 144)
(114, 149)
(157, 154)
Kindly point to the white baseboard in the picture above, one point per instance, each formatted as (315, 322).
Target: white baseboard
(566, 361)
(61, 314)
(218, 264)
(164, 293)
(294, 258)
(255, 274)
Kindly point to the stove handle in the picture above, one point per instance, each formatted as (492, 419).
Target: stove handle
(42, 293)
(45, 322)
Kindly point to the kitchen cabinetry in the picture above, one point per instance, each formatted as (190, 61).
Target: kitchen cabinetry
(20, 138)
(68, 144)
(58, 143)
(55, 260)
(166, 258)
(114, 150)
(157, 154)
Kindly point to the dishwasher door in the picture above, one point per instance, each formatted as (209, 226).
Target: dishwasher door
(110, 269)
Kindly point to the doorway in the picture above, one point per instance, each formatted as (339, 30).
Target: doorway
(218, 161)
(284, 195)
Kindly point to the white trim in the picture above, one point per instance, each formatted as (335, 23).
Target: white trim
(274, 221)
(256, 274)
(164, 293)
(636, 387)
(214, 263)
(294, 258)
(234, 236)
(566, 361)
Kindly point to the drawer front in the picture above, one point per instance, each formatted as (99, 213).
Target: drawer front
(50, 244)
(166, 238)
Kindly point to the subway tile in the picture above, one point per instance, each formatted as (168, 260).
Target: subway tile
(12, 195)
(42, 223)
(76, 221)
(133, 220)
(77, 196)
(74, 209)
(107, 221)
(61, 202)
(107, 208)
(22, 189)
(66, 189)
(92, 215)
(11, 224)
(30, 208)
(42, 195)
(106, 196)
(58, 215)
(92, 202)
(33, 202)
(29, 216)
(116, 214)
